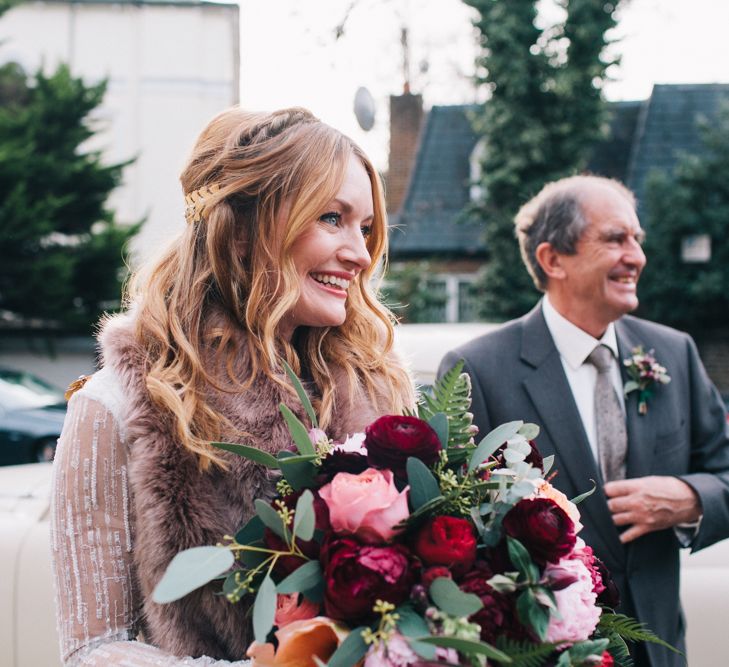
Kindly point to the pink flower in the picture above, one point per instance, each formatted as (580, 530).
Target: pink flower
(367, 505)
(353, 444)
(578, 613)
(397, 653)
(298, 643)
(289, 608)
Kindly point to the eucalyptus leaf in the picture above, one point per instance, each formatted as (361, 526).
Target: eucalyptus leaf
(351, 650)
(271, 518)
(467, 646)
(410, 623)
(630, 385)
(532, 614)
(423, 485)
(529, 431)
(191, 569)
(304, 517)
(251, 453)
(547, 463)
(251, 532)
(492, 442)
(439, 423)
(521, 559)
(264, 609)
(452, 600)
(578, 499)
(301, 392)
(298, 471)
(298, 431)
(302, 579)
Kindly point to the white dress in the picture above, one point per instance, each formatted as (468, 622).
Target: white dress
(97, 605)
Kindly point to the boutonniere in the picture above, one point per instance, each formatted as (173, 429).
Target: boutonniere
(644, 372)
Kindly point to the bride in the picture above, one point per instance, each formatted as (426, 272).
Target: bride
(285, 227)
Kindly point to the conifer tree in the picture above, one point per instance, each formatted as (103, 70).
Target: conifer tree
(692, 201)
(61, 251)
(544, 114)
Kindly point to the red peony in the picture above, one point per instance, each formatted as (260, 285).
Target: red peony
(542, 527)
(392, 439)
(356, 575)
(448, 541)
(498, 617)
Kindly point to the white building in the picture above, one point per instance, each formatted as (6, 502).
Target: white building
(170, 65)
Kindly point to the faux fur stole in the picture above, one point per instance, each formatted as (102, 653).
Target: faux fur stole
(177, 507)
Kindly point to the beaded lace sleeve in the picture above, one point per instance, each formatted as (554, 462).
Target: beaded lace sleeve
(92, 537)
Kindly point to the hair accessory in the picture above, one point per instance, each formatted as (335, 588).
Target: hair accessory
(195, 202)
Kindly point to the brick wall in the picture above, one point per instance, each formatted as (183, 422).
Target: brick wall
(406, 117)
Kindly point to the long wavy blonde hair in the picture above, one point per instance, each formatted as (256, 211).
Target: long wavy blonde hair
(236, 259)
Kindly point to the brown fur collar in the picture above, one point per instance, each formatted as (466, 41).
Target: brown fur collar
(177, 507)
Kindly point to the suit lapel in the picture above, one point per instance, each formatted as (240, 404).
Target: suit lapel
(549, 391)
(641, 428)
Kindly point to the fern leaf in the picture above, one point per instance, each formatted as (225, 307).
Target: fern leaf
(525, 654)
(451, 395)
(631, 630)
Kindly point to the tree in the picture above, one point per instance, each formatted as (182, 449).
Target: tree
(692, 201)
(413, 295)
(544, 114)
(61, 251)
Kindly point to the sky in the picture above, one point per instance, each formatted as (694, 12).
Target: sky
(291, 55)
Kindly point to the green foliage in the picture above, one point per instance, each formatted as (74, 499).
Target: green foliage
(191, 569)
(543, 116)
(61, 252)
(524, 653)
(693, 200)
(412, 294)
(451, 395)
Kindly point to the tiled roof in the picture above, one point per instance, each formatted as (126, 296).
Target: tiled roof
(643, 135)
(667, 127)
(438, 190)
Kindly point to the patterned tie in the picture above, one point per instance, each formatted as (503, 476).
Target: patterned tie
(612, 437)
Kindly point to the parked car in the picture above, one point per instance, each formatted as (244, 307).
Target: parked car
(31, 417)
(28, 632)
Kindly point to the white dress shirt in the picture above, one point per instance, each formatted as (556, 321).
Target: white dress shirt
(574, 346)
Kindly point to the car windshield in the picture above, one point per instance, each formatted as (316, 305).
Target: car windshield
(20, 390)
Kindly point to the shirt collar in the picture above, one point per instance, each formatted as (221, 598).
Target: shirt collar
(573, 344)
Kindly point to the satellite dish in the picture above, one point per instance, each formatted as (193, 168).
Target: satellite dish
(364, 108)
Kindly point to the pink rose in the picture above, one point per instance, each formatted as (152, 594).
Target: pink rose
(367, 505)
(293, 607)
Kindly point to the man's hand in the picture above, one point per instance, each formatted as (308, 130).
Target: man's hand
(651, 503)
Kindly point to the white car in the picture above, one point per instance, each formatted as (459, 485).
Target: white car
(27, 622)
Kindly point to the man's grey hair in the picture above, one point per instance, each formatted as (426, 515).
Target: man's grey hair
(555, 216)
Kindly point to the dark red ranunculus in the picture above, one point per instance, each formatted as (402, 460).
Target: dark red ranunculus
(498, 616)
(448, 541)
(287, 564)
(609, 596)
(340, 461)
(357, 575)
(542, 527)
(392, 439)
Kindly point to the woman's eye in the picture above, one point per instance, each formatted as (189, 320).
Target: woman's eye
(366, 230)
(332, 218)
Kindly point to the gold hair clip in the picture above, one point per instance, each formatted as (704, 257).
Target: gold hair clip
(195, 202)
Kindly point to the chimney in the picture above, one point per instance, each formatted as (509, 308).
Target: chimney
(406, 116)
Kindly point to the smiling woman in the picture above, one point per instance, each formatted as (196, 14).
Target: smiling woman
(286, 224)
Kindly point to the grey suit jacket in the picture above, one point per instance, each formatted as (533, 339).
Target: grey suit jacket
(517, 373)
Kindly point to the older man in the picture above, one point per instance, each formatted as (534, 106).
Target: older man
(662, 468)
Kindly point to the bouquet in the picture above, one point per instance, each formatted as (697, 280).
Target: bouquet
(410, 544)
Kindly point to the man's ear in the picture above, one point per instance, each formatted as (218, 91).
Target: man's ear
(550, 260)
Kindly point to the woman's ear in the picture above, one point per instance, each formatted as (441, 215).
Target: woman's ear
(550, 260)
